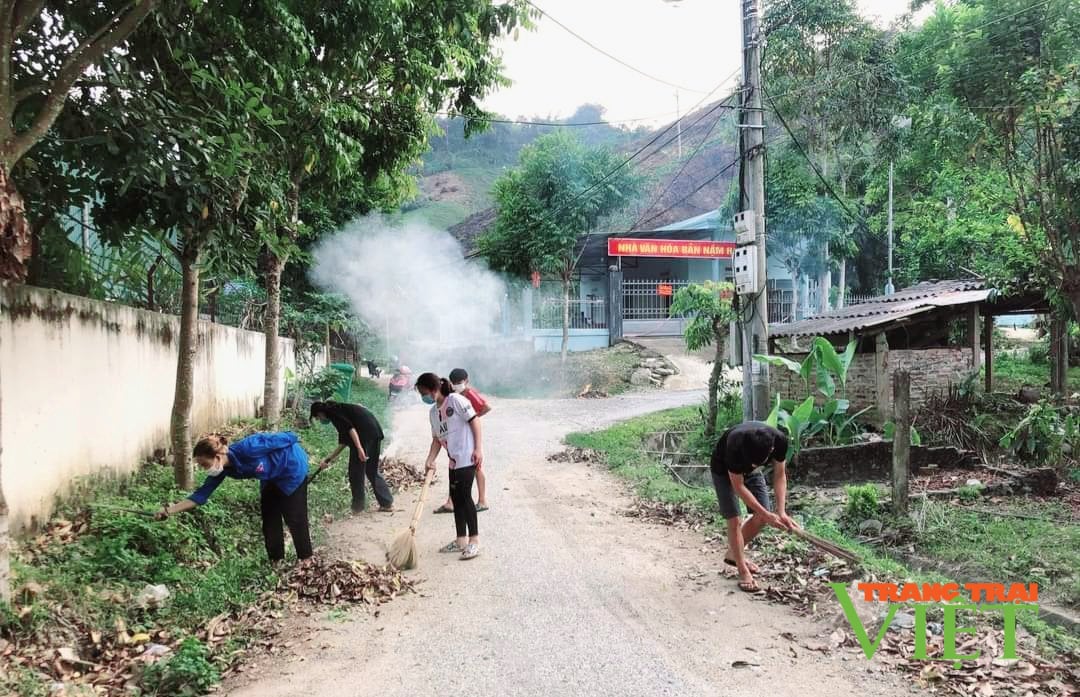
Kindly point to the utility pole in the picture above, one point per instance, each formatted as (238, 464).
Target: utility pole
(889, 287)
(752, 174)
(678, 121)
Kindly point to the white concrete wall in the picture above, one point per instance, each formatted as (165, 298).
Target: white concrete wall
(87, 388)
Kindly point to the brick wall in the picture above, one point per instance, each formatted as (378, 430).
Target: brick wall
(932, 370)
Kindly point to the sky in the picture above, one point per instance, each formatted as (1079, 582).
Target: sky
(693, 44)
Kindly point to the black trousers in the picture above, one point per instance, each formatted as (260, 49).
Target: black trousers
(370, 469)
(461, 483)
(292, 509)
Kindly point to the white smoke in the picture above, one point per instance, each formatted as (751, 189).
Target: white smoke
(412, 285)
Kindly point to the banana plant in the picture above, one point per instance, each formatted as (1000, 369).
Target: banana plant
(807, 420)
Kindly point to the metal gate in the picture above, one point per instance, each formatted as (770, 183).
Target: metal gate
(647, 307)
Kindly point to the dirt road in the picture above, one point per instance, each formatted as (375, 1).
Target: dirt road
(568, 597)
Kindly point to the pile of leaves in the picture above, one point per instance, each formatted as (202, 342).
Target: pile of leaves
(681, 516)
(575, 455)
(399, 474)
(330, 582)
(987, 676)
(800, 578)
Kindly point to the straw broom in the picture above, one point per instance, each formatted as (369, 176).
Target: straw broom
(402, 552)
(826, 546)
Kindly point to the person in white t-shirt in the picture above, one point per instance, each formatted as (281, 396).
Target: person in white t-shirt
(455, 427)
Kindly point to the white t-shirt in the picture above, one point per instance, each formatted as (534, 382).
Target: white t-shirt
(450, 425)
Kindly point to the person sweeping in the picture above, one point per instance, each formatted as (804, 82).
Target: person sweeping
(735, 463)
(280, 465)
(455, 427)
(360, 432)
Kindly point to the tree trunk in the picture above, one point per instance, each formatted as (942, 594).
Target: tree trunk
(842, 288)
(16, 245)
(185, 367)
(824, 283)
(5, 538)
(565, 319)
(150, 273)
(271, 328)
(719, 337)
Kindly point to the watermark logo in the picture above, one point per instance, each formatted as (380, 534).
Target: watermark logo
(951, 599)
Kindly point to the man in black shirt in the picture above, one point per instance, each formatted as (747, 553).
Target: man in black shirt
(360, 432)
(741, 450)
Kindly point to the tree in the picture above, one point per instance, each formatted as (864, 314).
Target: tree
(548, 205)
(1013, 66)
(708, 305)
(181, 114)
(47, 49)
(353, 87)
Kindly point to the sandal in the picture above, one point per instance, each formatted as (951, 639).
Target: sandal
(750, 587)
(452, 548)
(444, 509)
(481, 509)
(471, 551)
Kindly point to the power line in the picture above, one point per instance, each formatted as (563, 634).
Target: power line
(678, 174)
(618, 60)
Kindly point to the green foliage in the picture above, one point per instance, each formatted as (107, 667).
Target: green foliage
(969, 493)
(889, 432)
(1044, 435)
(1039, 353)
(806, 420)
(708, 306)
(862, 502)
(187, 673)
(550, 202)
(321, 385)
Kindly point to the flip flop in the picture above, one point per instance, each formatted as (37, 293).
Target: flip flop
(750, 587)
(481, 509)
(444, 509)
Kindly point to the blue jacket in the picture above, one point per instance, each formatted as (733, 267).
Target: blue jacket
(272, 458)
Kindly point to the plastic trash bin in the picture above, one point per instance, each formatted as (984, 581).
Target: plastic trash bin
(343, 392)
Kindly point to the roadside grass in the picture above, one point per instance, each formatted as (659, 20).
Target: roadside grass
(997, 550)
(1013, 372)
(212, 560)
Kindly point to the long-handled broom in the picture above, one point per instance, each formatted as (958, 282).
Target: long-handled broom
(827, 546)
(402, 552)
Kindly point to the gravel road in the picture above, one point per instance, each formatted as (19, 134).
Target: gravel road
(568, 597)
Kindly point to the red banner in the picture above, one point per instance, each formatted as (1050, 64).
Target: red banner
(664, 289)
(688, 249)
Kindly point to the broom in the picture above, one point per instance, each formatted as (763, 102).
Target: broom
(402, 552)
(826, 546)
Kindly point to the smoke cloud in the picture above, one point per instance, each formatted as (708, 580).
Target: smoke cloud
(412, 285)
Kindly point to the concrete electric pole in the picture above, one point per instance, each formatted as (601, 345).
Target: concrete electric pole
(750, 263)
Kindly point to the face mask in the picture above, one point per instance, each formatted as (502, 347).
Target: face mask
(460, 387)
(428, 399)
(215, 471)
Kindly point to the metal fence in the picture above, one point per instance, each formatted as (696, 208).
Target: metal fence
(584, 314)
(853, 299)
(649, 299)
(780, 301)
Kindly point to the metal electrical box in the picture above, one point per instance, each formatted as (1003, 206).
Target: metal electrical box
(744, 263)
(745, 227)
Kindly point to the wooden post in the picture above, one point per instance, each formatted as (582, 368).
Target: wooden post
(1059, 355)
(881, 377)
(901, 440)
(615, 305)
(973, 336)
(988, 347)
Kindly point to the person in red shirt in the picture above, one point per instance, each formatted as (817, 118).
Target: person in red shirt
(459, 381)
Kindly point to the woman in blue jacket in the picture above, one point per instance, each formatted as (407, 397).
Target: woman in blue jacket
(280, 465)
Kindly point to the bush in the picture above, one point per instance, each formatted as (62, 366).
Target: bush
(188, 672)
(322, 385)
(862, 502)
(1039, 352)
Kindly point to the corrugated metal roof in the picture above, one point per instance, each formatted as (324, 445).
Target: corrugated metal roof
(887, 309)
(705, 221)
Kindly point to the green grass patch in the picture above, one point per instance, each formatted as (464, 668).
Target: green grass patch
(212, 560)
(1012, 372)
(1009, 550)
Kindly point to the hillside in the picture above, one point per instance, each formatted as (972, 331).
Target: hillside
(457, 173)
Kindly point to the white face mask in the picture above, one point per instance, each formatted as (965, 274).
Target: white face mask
(460, 387)
(215, 471)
